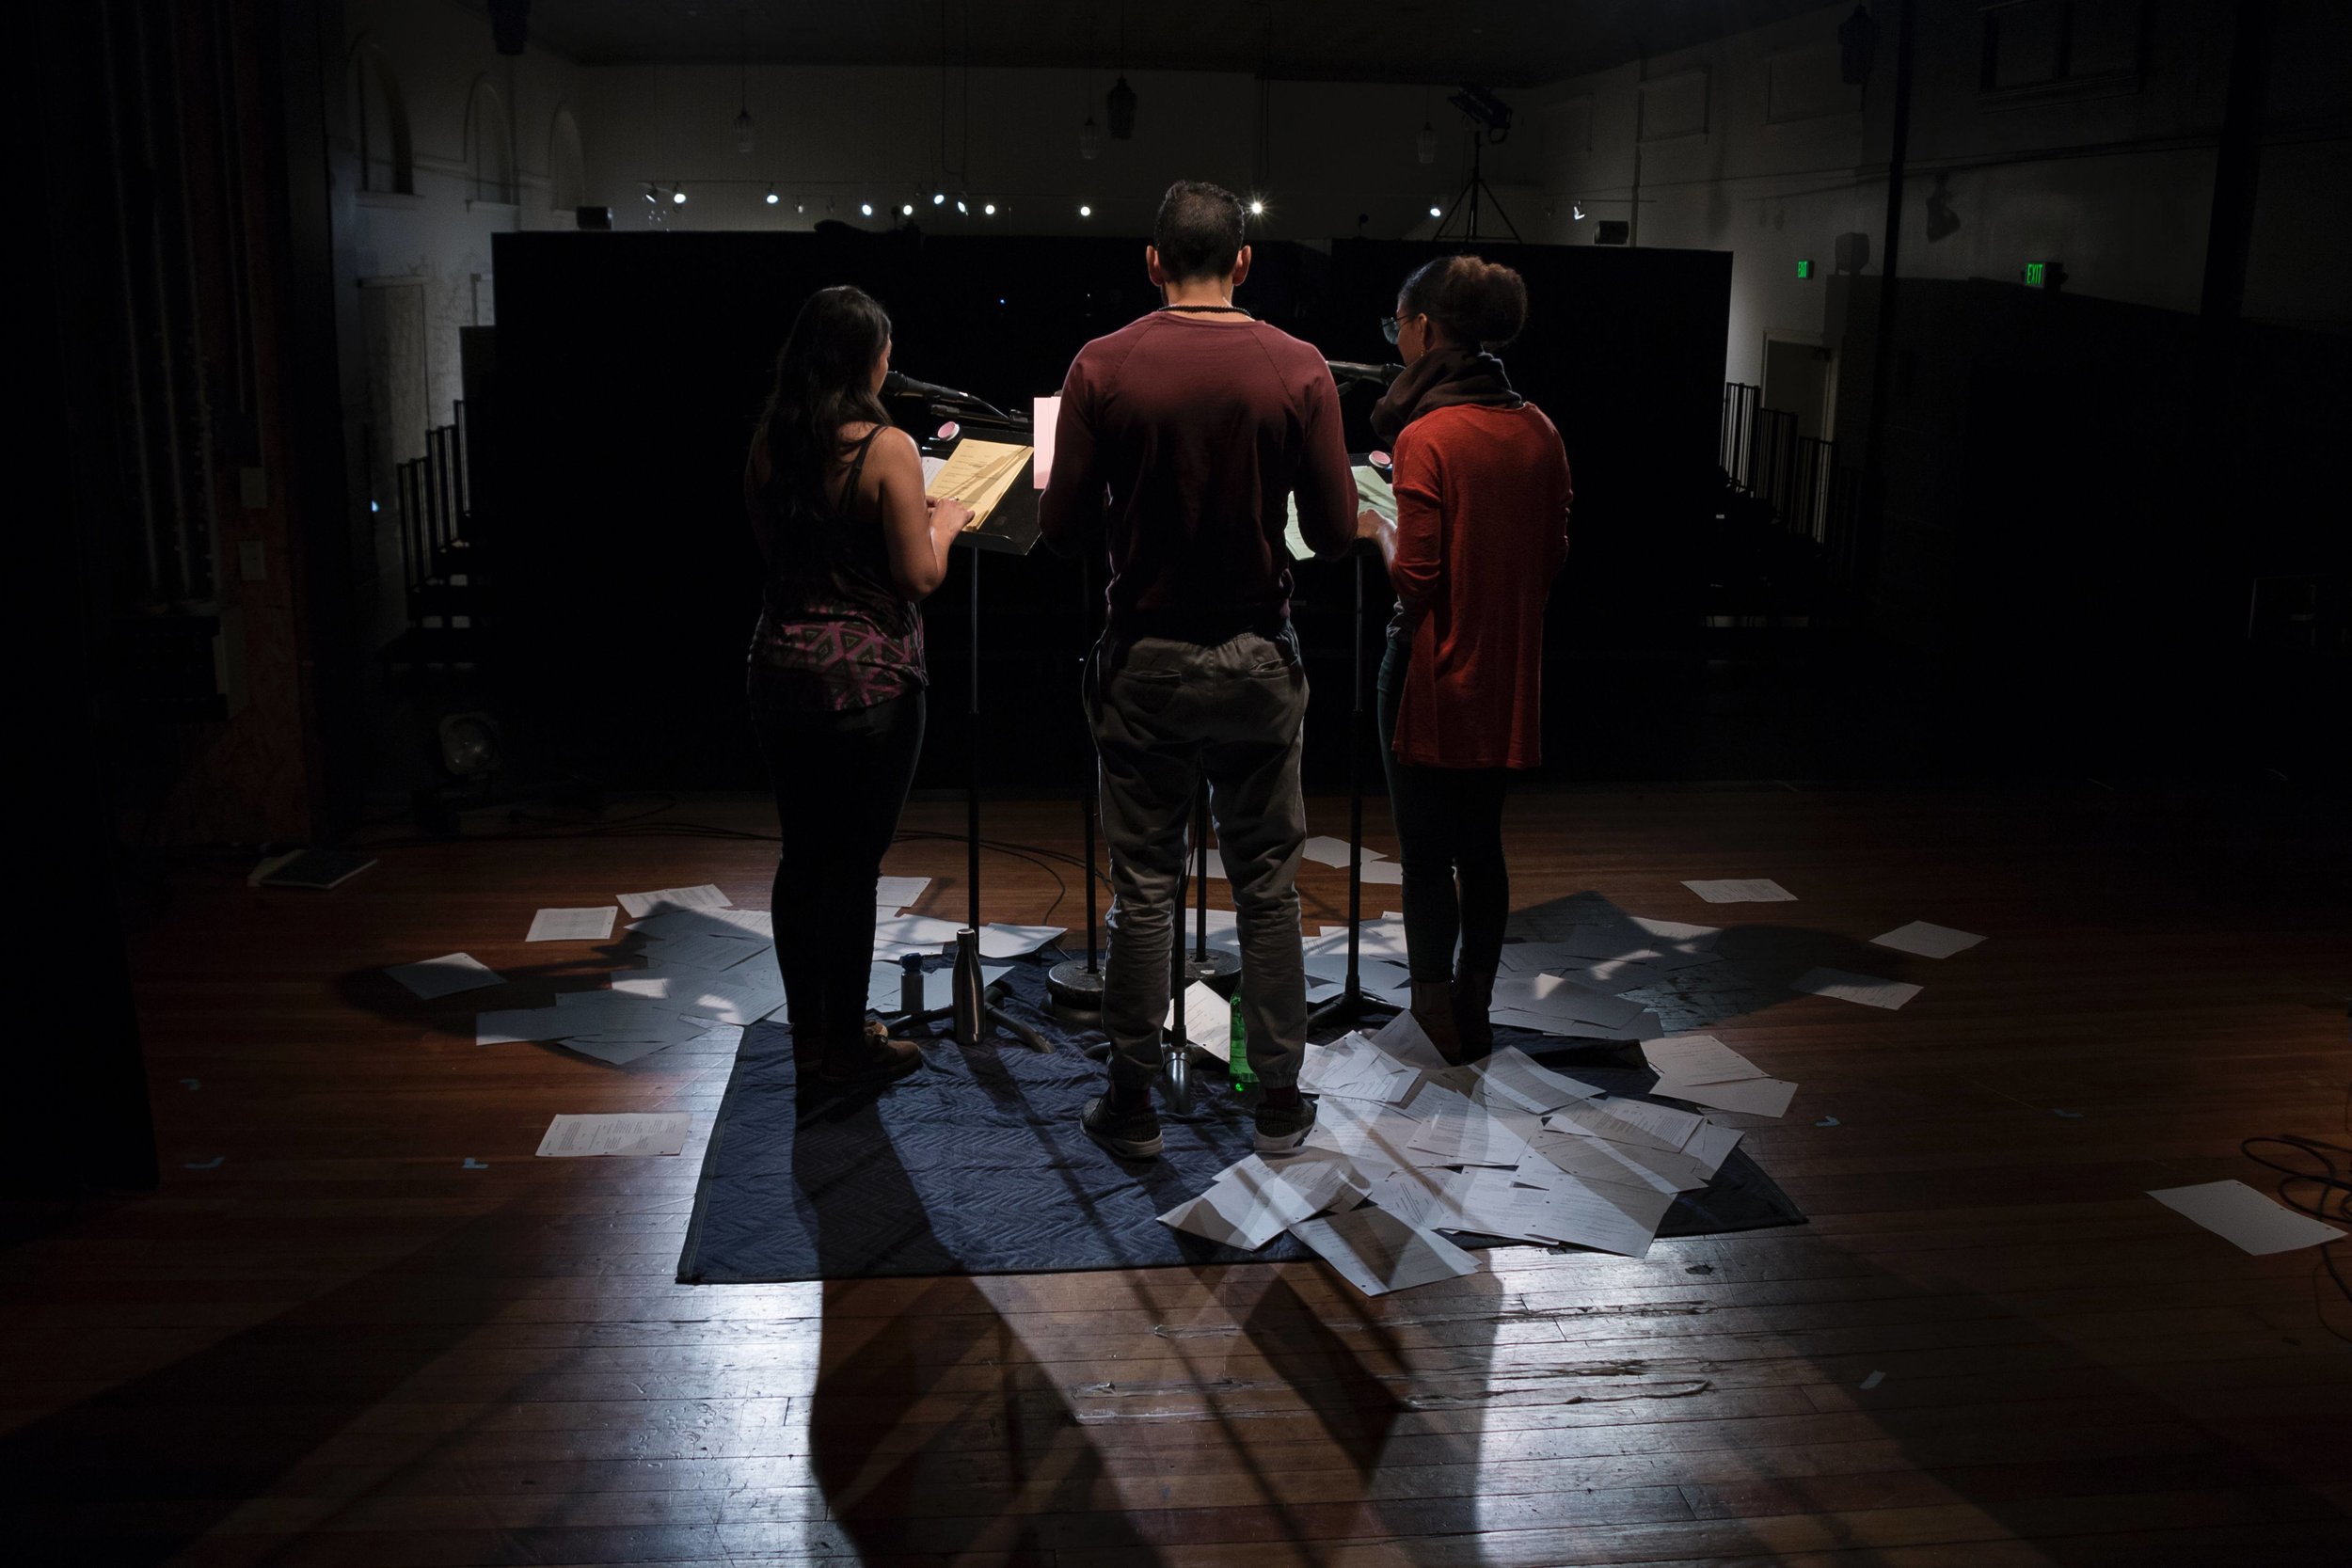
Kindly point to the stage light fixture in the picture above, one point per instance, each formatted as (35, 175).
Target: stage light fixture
(1090, 139)
(1576, 211)
(989, 210)
(1084, 211)
(1435, 213)
(939, 198)
(962, 208)
(651, 194)
(1257, 207)
(772, 195)
(867, 208)
(743, 130)
(1425, 143)
(906, 208)
(678, 196)
(799, 206)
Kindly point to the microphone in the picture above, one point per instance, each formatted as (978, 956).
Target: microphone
(1352, 370)
(907, 386)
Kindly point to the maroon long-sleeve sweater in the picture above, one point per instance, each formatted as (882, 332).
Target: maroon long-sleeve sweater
(1180, 439)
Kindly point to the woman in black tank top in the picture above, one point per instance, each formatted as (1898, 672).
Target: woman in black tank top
(848, 546)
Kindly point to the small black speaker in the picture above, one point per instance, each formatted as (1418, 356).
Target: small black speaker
(1611, 231)
(594, 217)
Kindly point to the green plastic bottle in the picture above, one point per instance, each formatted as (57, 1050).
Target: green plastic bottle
(1237, 1050)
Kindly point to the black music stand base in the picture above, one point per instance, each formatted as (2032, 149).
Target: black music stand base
(1075, 989)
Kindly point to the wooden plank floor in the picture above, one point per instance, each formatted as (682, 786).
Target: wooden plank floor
(342, 1346)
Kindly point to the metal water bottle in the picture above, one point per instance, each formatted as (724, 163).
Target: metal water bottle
(967, 989)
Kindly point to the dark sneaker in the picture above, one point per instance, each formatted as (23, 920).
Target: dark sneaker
(1283, 1128)
(1129, 1134)
(871, 1056)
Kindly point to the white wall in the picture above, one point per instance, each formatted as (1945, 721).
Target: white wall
(853, 135)
(2117, 188)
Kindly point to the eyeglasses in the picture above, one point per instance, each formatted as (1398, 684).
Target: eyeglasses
(1389, 325)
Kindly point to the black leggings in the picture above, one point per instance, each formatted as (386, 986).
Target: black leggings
(840, 779)
(1449, 830)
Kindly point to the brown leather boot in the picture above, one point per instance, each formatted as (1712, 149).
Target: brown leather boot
(1473, 1000)
(870, 1056)
(1433, 1009)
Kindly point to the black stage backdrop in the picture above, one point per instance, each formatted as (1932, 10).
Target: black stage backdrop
(609, 440)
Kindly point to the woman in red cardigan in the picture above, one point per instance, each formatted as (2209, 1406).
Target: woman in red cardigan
(1481, 529)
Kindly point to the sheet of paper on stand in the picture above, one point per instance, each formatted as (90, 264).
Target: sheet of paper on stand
(1557, 997)
(979, 473)
(639, 905)
(1754, 1096)
(1846, 986)
(930, 471)
(1628, 1121)
(446, 976)
(1551, 1155)
(1208, 1021)
(1698, 1059)
(897, 893)
(1045, 415)
(757, 923)
(2252, 1220)
(1253, 1201)
(1402, 1037)
(572, 925)
(1741, 890)
(1350, 1068)
(1000, 941)
(1379, 1251)
(1928, 940)
(624, 1133)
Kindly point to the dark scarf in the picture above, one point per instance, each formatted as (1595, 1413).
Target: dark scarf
(1442, 378)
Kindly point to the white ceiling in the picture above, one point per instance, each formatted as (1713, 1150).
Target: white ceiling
(1496, 42)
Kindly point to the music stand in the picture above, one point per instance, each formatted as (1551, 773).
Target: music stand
(1010, 528)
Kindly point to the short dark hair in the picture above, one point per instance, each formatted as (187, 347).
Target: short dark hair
(1479, 303)
(1198, 232)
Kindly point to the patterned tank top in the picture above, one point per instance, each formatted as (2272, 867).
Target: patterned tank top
(833, 632)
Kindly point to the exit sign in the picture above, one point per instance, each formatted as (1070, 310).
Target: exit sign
(1805, 268)
(2037, 275)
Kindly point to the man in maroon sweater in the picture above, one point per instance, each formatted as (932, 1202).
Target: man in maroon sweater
(1180, 439)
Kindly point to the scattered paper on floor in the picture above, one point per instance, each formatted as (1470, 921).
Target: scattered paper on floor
(2252, 1220)
(446, 976)
(572, 925)
(626, 1132)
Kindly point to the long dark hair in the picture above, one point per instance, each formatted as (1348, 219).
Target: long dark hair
(824, 380)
